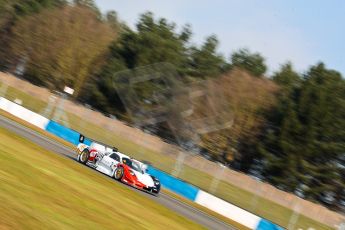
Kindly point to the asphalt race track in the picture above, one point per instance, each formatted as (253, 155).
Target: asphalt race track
(179, 207)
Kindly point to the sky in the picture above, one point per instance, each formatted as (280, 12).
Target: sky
(303, 32)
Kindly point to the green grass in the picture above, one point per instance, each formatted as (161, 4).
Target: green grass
(242, 198)
(41, 190)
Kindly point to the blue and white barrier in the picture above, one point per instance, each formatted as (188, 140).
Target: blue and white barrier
(226, 209)
(211, 202)
(182, 188)
(266, 225)
(65, 133)
(23, 113)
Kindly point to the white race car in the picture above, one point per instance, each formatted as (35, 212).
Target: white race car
(117, 165)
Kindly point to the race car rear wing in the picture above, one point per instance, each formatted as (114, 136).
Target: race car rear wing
(82, 139)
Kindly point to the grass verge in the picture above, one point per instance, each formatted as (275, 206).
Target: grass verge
(206, 210)
(41, 190)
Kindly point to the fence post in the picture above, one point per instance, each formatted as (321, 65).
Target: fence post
(3, 89)
(217, 178)
(295, 215)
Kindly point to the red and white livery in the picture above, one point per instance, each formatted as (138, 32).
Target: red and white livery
(117, 165)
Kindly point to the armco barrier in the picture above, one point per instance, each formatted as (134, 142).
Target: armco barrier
(182, 188)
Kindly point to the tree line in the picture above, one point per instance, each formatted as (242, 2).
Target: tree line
(287, 129)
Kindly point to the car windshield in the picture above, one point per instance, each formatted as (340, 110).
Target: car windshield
(133, 165)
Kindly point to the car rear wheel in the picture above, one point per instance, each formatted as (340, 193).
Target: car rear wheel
(118, 173)
(84, 156)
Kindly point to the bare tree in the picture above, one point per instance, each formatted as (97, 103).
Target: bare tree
(247, 98)
(61, 46)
